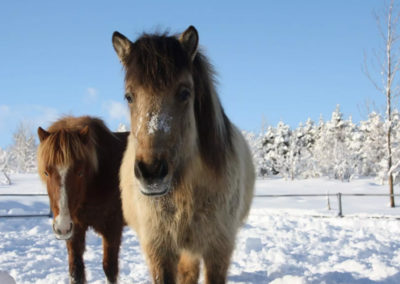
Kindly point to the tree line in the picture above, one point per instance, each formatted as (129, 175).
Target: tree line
(336, 148)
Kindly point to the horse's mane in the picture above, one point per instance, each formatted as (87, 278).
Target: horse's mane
(67, 144)
(155, 61)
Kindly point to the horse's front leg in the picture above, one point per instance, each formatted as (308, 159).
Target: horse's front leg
(188, 268)
(163, 262)
(111, 244)
(216, 262)
(76, 247)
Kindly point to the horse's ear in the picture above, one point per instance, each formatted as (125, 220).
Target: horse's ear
(43, 134)
(190, 41)
(122, 46)
(84, 134)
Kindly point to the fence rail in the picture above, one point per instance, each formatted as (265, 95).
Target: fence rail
(339, 196)
(24, 194)
(324, 195)
(48, 215)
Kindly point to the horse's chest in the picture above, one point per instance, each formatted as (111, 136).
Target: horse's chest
(186, 222)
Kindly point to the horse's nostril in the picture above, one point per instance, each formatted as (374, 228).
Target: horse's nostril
(150, 172)
(70, 227)
(59, 231)
(139, 167)
(162, 169)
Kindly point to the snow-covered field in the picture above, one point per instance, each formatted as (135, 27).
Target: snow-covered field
(286, 240)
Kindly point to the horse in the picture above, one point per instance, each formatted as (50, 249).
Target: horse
(187, 177)
(79, 160)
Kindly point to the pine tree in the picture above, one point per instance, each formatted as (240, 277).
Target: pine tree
(373, 146)
(122, 128)
(283, 154)
(268, 153)
(332, 148)
(305, 142)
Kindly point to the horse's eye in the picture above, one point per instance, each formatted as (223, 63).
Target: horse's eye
(46, 173)
(129, 97)
(80, 172)
(184, 95)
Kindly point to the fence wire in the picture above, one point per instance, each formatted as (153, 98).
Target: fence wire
(338, 195)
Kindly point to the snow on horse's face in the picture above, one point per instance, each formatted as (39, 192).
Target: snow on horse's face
(160, 95)
(64, 164)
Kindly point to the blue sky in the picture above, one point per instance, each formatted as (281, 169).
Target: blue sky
(276, 60)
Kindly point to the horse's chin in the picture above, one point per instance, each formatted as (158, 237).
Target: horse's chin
(65, 237)
(155, 189)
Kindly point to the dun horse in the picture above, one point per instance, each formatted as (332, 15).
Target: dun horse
(79, 160)
(187, 176)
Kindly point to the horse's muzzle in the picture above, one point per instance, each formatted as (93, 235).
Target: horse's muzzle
(63, 234)
(153, 177)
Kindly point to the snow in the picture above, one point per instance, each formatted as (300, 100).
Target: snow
(159, 122)
(5, 278)
(285, 240)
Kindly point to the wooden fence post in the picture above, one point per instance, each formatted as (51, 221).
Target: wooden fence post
(339, 196)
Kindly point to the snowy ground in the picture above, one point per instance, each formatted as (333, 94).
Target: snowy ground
(286, 240)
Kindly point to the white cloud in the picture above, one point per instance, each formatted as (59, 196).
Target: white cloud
(91, 95)
(117, 111)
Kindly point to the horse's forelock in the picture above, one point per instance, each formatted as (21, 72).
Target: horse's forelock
(155, 61)
(63, 147)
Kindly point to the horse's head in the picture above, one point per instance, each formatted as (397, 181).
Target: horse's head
(65, 162)
(160, 92)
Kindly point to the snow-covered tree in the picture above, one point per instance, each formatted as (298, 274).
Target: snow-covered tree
(395, 170)
(22, 154)
(268, 154)
(338, 148)
(122, 128)
(4, 177)
(304, 139)
(373, 146)
(332, 151)
(3, 158)
(255, 145)
(284, 154)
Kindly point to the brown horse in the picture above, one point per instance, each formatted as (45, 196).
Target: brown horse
(79, 160)
(187, 176)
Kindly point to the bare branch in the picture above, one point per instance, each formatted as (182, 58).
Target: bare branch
(378, 23)
(367, 73)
